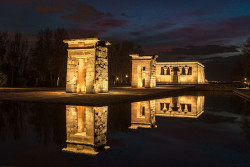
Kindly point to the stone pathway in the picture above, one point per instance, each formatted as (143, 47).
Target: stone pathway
(115, 95)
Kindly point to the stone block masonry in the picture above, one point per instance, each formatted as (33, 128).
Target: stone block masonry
(86, 128)
(146, 72)
(143, 71)
(87, 66)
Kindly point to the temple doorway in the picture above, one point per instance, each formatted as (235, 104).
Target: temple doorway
(81, 75)
(141, 76)
(81, 120)
(175, 74)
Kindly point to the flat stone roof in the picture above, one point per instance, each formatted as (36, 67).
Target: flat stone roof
(138, 57)
(180, 63)
(84, 41)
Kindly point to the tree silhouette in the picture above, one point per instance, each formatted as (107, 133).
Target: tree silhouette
(246, 58)
(17, 56)
(120, 62)
(3, 45)
(50, 57)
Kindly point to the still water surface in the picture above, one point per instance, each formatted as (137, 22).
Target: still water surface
(197, 130)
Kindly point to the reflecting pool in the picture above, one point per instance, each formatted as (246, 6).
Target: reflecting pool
(193, 129)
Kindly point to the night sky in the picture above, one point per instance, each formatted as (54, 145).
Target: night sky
(179, 30)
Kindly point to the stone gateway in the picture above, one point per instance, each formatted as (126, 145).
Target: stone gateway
(87, 67)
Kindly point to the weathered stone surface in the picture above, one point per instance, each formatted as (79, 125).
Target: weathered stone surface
(87, 67)
(143, 114)
(179, 73)
(86, 128)
(182, 106)
(143, 71)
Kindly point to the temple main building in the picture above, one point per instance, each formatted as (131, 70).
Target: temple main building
(146, 72)
(180, 73)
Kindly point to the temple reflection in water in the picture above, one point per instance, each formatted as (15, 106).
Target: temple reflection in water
(86, 126)
(143, 113)
(181, 106)
(86, 129)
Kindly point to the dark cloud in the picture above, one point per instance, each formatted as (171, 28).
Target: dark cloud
(86, 33)
(45, 6)
(202, 50)
(191, 53)
(137, 33)
(96, 28)
(111, 22)
(198, 34)
(54, 8)
(124, 15)
(220, 69)
(144, 31)
(161, 25)
(84, 12)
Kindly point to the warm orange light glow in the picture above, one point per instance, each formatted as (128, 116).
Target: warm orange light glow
(139, 77)
(182, 106)
(81, 120)
(143, 114)
(180, 72)
(86, 129)
(87, 66)
(126, 76)
(81, 82)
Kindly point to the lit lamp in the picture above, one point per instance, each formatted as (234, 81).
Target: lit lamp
(245, 80)
(126, 76)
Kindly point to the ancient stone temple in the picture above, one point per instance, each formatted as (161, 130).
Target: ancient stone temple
(143, 114)
(86, 129)
(182, 106)
(143, 71)
(87, 67)
(180, 73)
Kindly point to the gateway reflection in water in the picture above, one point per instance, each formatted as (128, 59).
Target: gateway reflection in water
(86, 129)
(143, 114)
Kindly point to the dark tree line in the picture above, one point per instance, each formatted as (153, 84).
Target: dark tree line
(241, 70)
(13, 59)
(246, 59)
(49, 56)
(120, 65)
(43, 63)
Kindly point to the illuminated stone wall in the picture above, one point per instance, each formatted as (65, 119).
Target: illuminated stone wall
(87, 67)
(143, 114)
(143, 71)
(180, 73)
(182, 106)
(86, 129)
